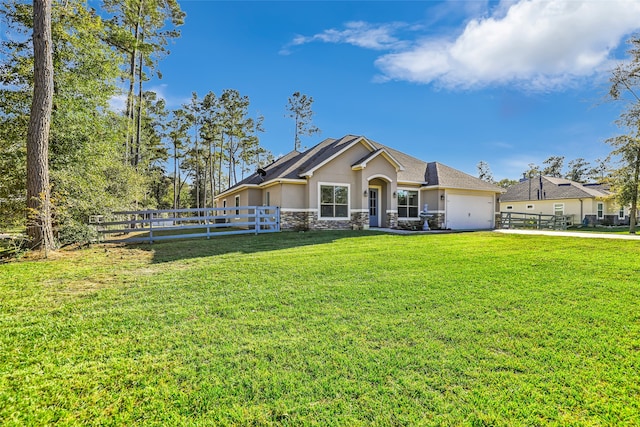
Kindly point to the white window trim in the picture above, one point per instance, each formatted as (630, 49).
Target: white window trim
(558, 204)
(621, 210)
(334, 184)
(412, 218)
(598, 210)
(237, 204)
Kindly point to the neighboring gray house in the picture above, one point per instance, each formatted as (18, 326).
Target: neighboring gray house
(354, 182)
(586, 203)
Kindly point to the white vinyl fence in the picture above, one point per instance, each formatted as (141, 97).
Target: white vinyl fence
(155, 225)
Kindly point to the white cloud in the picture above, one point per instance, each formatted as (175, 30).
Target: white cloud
(537, 44)
(357, 33)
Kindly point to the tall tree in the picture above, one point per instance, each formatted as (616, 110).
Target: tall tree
(178, 136)
(533, 170)
(484, 171)
(626, 179)
(625, 81)
(600, 171)
(553, 166)
(578, 169)
(141, 30)
(38, 190)
(506, 183)
(194, 115)
(299, 107)
(211, 136)
(155, 154)
(237, 126)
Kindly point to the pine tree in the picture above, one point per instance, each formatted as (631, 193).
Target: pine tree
(299, 107)
(40, 231)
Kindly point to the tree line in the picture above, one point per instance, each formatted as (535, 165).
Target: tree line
(578, 170)
(68, 154)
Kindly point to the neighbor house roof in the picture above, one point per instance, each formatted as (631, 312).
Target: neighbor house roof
(297, 166)
(551, 188)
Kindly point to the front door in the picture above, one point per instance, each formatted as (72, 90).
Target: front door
(373, 207)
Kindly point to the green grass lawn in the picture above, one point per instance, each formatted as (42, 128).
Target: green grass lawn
(602, 229)
(327, 329)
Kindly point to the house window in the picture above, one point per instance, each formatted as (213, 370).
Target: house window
(509, 207)
(237, 204)
(621, 213)
(530, 207)
(558, 208)
(600, 210)
(407, 204)
(334, 201)
(224, 205)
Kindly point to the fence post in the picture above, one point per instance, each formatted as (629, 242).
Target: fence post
(207, 216)
(151, 228)
(256, 219)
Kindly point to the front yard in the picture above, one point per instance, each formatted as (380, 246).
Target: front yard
(325, 328)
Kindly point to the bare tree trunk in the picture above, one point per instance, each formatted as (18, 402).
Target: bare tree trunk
(129, 147)
(197, 156)
(220, 163)
(176, 177)
(634, 197)
(212, 177)
(38, 190)
(136, 158)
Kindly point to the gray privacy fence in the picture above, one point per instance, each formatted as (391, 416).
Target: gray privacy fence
(155, 225)
(535, 221)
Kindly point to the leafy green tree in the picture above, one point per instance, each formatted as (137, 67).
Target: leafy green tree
(534, 170)
(141, 30)
(178, 128)
(14, 117)
(212, 136)
(154, 154)
(299, 108)
(599, 172)
(625, 181)
(238, 128)
(194, 154)
(625, 80)
(250, 147)
(553, 166)
(484, 171)
(506, 182)
(84, 132)
(578, 170)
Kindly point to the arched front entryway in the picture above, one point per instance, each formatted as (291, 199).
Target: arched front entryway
(378, 189)
(375, 218)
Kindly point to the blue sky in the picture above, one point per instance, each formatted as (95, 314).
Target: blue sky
(509, 83)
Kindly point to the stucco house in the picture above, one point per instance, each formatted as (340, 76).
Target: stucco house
(585, 203)
(354, 182)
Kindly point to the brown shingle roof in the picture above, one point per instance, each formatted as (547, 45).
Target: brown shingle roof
(296, 165)
(551, 188)
(448, 177)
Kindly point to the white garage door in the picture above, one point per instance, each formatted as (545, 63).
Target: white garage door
(465, 212)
